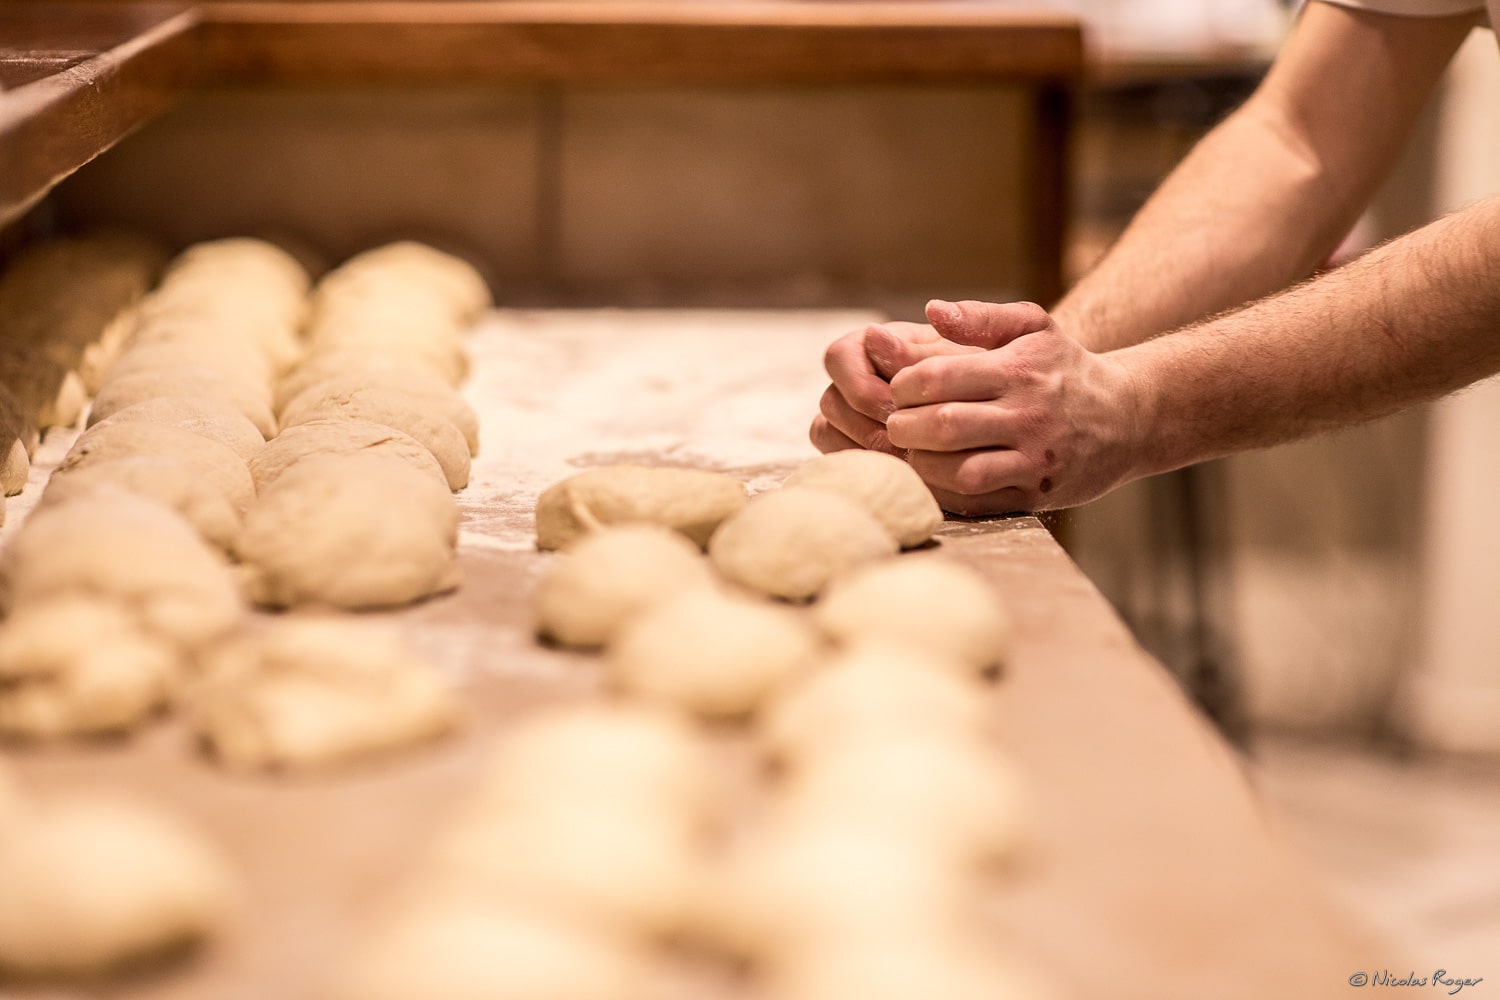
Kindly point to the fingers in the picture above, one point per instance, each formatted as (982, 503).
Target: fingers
(854, 375)
(959, 378)
(986, 324)
(859, 429)
(825, 437)
(953, 427)
(985, 476)
(984, 505)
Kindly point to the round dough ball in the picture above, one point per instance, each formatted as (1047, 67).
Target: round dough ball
(240, 258)
(391, 408)
(468, 947)
(870, 694)
(437, 350)
(130, 550)
(633, 759)
(359, 530)
(162, 478)
(15, 469)
(340, 437)
(211, 461)
(882, 484)
(612, 575)
(685, 500)
(929, 965)
(214, 419)
(926, 601)
(72, 665)
(791, 542)
(954, 798)
(233, 359)
(313, 691)
(801, 890)
(336, 380)
(92, 883)
(195, 382)
(711, 653)
(263, 325)
(454, 280)
(353, 363)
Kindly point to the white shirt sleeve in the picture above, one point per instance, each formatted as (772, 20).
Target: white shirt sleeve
(1413, 8)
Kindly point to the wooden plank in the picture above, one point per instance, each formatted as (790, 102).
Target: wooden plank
(1154, 873)
(740, 41)
(88, 76)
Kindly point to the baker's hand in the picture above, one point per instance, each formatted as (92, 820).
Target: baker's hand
(853, 410)
(1033, 422)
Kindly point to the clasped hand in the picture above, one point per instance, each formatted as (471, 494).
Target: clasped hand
(995, 407)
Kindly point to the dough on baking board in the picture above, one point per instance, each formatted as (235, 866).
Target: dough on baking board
(130, 550)
(214, 419)
(608, 577)
(161, 478)
(233, 359)
(118, 393)
(355, 530)
(94, 882)
(213, 462)
(791, 542)
(468, 947)
(391, 408)
(925, 600)
(332, 375)
(448, 277)
(884, 485)
(711, 653)
(312, 691)
(340, 437)
(686, 500)
(80, 665)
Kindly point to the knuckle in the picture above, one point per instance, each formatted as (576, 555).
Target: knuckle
(947, 425)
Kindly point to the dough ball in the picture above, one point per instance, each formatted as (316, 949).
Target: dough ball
(354, 363)
(195, 382)
(465, 947)
(437, 350)
(166, 480)
(93, 883)
(791, 542)
(710, 653)
(950, 797)
(340, 437)
(450, 278)
(80, 665)
(15, 469)
(925, 600)
(211, 461)
(610, 576)
(160, 350)
(242, 260)
(882, 484)
(214, 419)
(303, 692)
(122, 547)
(391, 408)
(931, 965)
(359, 530)
(50, 393)
(630, 758)
(871, 694)
(15, 421)
(801, 891)
(685, 500)
(334, 381)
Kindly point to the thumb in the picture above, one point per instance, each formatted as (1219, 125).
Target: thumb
(986, 324)
(888, 352)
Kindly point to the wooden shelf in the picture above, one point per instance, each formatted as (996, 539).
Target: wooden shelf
(80, 76)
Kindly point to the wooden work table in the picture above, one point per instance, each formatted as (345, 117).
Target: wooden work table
(1154, 872)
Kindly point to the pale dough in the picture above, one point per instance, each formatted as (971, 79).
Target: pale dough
(340, 437)
(162, 478)
(791, 542)
(924, 600)
(210, 418)
(128, 549)
(358, 530)
(312, 691)
(437, 351)
(15, 469)
(951, 966)
(869, 694)
(351, 362)
(685, 500)
(332, 375)
(94, 882)
(884, 485)
(391, 408)
(198, 382)
(213, 462)
(450, 278)
(467, 947)
(80, 665)
(233, 359)
(610, 576)
(711, 653)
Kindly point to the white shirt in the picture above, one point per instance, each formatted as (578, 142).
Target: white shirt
(1425, 8)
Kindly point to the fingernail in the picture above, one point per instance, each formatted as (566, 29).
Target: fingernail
(942, 311)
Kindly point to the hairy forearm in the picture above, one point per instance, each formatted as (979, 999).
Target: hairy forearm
(1410, 321)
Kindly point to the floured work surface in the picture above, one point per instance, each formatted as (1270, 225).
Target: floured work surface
(1154, 872)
